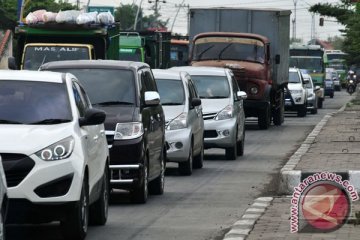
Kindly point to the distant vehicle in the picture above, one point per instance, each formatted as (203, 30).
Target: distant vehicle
(184, 121)
(223, 109)
(329, 87)
(179, 52)
(135, 123)
(3, 201)
(53, 141)
(312, 99)
(331, 73)
(311, 58)
(336, 59)
(296, 99)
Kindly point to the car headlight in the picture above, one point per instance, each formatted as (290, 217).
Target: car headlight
(178, 123)
(57, 151)
(254, 90)
(351, 81)
(296, 91)
(310, 95)
(129, 130)
(226, 113)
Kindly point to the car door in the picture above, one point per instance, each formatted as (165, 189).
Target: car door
(195, 117)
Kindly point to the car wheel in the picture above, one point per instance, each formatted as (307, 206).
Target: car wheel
(264, 118)
(314, 111)
(231, 152)
(156, 186)
(199, 159)
(76, 225)
(331, 95)
(140, 193)
(241, 145)
(99, 209)
(301, 112)
(185, 168)
(2, 225)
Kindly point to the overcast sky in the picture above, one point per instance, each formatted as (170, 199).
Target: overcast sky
(303, 17)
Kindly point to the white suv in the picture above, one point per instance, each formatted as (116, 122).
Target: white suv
(53, 150)
(296, 99)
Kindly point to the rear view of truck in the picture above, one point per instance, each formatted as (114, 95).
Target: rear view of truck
(254, 43)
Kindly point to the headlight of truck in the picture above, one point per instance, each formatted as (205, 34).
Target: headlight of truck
(129, 130)
(178, 123)
(226, 113)
(57, 151)
(296, 91)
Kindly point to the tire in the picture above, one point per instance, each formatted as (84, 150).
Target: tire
(331, 95)
(2, 224)
(76, 225)
(278, 117)
(99, 209)
(185, 168)
(241, 145)
(314, 111)
(199, 159)
(264, 118)
(231, 152)
(156, 186)
(140, 194)
(302, 111)
(320, 103)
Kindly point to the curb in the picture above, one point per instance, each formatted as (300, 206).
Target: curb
(291, 178)
(242, 228)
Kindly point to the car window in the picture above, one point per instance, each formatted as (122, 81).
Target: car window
(235, 88)
(192, 89)
(118, 84)
(211, 86)
(79, 100)
(171, 91)
(294, 77)
(31, 102)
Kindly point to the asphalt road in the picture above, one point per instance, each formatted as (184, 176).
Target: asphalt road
(204, 205)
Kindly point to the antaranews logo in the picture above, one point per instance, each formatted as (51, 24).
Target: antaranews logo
(321, 203)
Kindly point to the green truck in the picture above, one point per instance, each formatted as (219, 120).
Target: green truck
(45, 42)
(151, 47)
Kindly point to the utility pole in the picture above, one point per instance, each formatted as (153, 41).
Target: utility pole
(313, 33)
(182, 5)
(294, 20)
(156, 10)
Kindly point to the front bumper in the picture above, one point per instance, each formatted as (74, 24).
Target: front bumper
(219, 134)
(311, 102)
(179, 144)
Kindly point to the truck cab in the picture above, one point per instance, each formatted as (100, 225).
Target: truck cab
(131, 47)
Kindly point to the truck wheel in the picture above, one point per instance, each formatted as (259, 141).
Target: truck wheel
(320, 102)
(241, 145)
(264, 118)
(76, 225)
(301, 112)
(140, 193)
(185, 168)
(99, 209)
(199, 159)
(156, 186)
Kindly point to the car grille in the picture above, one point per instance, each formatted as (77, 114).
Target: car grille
(208, 116)
(210, 134)
(16, 167)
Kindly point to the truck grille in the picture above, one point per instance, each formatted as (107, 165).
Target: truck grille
(16, 167)
(208, 116)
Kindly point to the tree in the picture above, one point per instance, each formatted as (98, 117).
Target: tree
(348, 14)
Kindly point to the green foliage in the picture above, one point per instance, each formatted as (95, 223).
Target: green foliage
(347, 14)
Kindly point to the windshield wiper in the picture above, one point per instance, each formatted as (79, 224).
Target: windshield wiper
(204, 51)
(114, 103)
(9, 121)
(223, 50)
(51, 121)
(171, 104)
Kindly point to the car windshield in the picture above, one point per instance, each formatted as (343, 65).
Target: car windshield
(294, 77)
(117, 84)
(130, 54)
(312, 64)
(171, 91)
(34, 102)
(212, 86)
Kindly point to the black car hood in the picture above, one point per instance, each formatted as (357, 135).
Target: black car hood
(118, 114)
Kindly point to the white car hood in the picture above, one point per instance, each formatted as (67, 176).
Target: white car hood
(214, 105)
(28, 139)
(172, 112)
(295, 86)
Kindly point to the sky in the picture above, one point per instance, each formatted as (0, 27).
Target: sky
(169, 9)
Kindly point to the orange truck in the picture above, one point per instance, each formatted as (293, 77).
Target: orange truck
(254, 43)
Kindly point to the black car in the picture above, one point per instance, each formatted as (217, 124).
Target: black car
(135, 123)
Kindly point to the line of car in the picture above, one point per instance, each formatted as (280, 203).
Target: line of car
(80, 129)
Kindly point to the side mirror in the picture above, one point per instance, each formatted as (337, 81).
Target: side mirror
(12, 63)
(277, 59)
(306, 81)
(195, 102)
(152, 98)
(241, 94)
(92, 116)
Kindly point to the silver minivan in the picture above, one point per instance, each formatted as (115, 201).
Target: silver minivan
(223, 110)
(184, 124)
